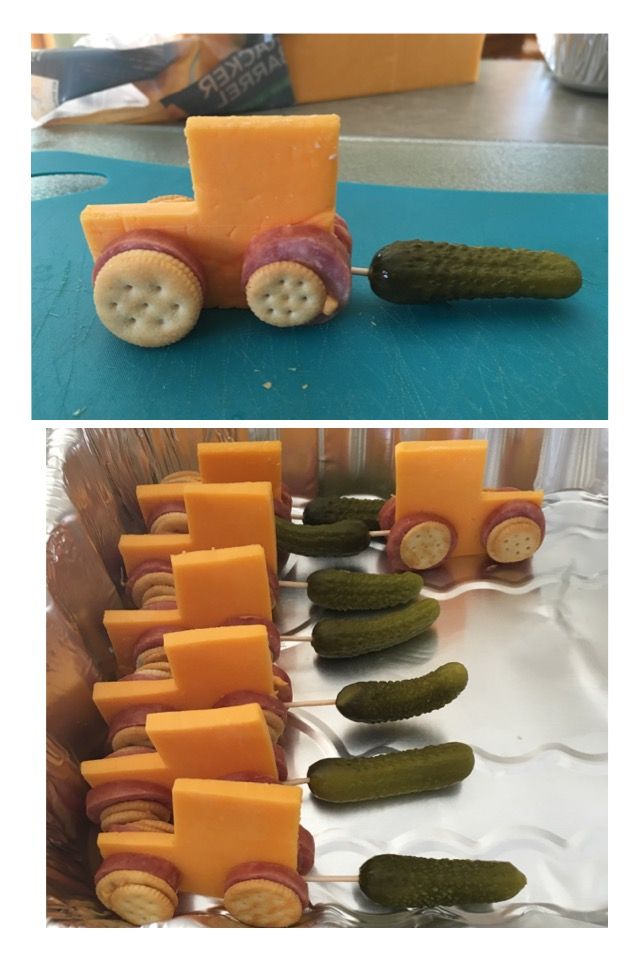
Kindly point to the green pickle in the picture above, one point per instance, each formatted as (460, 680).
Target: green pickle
(352, 779)
(350, 637)
(331, 509)
(351, 590)
(401, 881)
(377, 701)
(422, 271)
(342, 539)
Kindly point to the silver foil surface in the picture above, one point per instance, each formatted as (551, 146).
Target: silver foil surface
(533, 638)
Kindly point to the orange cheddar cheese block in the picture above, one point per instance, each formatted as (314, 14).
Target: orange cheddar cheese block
(333, 66)
(444, 478)
(232, 582)
(218, 515)
(211, 587)
(249, 173)
(205, 664)
(237, 460)
(219, 825)
(194, 743)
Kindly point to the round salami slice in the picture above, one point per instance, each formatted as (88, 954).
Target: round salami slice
(150, 240)
(276, 872)
(120, 791)
(142, 862)
(306, 851)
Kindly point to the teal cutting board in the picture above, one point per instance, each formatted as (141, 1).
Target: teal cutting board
(510, 359)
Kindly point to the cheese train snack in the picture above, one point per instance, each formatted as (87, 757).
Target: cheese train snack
(440, 511)
(239, 461)
(262, 232)
(241, 842)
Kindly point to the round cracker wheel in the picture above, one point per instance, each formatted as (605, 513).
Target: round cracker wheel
(138, 887)
(420, 542)
(147, 297)
(172, 521)
(296, 274)
(265, 895)
(286, 294)
(514, 532)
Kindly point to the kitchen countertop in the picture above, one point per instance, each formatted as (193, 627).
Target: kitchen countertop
(516, 129)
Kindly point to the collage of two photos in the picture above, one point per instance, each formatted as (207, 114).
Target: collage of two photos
(319, 356)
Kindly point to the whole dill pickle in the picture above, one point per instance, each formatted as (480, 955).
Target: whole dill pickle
(342, 539)
(422, 271)
(351, 590)
(347, 637)
(400, 881)
(330, 509)
(351, 779)
(377, 701)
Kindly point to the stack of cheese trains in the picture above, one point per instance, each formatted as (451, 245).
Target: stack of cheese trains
(231, 503)
(137, 790)
(170, 749)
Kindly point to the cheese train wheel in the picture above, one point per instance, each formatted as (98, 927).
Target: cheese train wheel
(114, 804)
(261, 894)
(403, 882)
(137, 887)
(296, 275)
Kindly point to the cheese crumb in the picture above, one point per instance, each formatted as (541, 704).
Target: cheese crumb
(267, 385)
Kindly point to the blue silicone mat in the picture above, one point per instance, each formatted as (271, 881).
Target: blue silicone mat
(510, 359)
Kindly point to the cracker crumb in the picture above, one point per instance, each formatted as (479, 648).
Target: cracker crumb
(267, 385)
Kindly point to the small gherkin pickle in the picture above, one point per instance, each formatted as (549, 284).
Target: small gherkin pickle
(348, 637)
(351, 590)
(351, 779)
(377, 701)
(342, 539)
(401, 881)
(330, 509)
(422, 271)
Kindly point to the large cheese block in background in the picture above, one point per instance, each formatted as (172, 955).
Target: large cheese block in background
(249, 174)
(206, 664)
(211, 587)
(194, 743)
(334, 66)
(218, 515)
(219, 825)
(444, 477)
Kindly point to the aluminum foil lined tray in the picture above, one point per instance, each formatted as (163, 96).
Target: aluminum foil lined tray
(533, 640)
